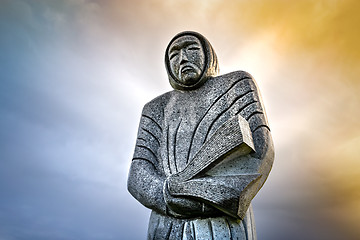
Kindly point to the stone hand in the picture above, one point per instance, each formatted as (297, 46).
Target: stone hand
(184, 207)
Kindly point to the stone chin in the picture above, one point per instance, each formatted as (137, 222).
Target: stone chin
(189, 78)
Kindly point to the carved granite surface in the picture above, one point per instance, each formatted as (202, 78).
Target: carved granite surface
(203, 150)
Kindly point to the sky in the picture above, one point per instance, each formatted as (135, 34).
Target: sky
(75, 75)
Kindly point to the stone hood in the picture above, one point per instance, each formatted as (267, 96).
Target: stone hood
(211, 63)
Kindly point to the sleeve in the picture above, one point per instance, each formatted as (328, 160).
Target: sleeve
(252, 109)
(260, 161)
(146, 180)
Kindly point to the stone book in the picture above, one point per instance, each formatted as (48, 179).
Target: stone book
(226, 192)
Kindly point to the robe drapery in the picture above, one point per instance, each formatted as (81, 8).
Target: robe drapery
(173, 127)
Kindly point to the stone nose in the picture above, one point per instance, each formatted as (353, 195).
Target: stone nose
(183, 56)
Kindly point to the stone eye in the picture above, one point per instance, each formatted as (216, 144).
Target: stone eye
(193, 48)
(173, 54)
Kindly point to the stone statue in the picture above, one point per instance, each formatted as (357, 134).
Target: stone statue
(203, 150)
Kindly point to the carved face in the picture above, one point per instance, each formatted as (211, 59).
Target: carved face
(187, 59)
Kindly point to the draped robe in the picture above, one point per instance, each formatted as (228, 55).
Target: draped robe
(172, 129)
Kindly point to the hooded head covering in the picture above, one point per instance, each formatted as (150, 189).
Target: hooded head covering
(211, 63)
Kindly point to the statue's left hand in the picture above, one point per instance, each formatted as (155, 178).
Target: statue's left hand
(184, 207)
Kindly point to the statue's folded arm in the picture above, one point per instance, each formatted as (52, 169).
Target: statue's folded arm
(147, 181)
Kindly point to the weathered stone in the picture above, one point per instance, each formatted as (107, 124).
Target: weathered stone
(203, 150)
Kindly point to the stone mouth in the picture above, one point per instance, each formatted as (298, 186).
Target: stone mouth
(186, 68)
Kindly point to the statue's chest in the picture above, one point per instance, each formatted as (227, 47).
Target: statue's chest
(184, 111)
(182, 134)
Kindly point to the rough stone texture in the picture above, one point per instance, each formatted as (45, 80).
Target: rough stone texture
(203, 150)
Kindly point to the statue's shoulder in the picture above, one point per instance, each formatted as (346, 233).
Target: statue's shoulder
(157, 105)
(237, 76)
